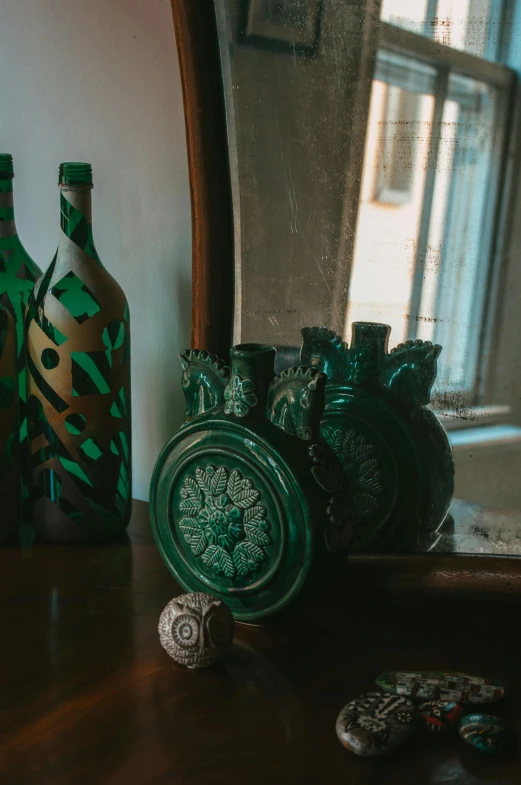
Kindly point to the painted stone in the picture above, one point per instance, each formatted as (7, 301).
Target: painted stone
(375, 724)
(441, 716)
(247, 500)
(438, 685)
(486, 733)
(196, 629)
(392, 447)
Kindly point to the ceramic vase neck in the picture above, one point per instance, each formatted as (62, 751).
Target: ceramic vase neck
(370, 339)
(255, 363)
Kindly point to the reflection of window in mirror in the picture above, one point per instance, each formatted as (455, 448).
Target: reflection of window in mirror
(470, 25)
(379, 179)
(292, 22)
(398, 143)
(435, 142)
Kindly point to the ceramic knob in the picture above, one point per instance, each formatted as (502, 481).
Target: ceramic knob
(196, 629)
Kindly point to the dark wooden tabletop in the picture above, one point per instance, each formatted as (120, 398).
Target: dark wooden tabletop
(89, 697)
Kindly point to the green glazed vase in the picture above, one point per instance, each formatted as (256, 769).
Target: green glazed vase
(392, 447)
(247, 501)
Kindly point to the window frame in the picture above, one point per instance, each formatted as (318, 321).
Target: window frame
(446, 61)
(386, 191)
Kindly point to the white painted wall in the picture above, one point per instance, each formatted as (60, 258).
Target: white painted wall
(98, 81)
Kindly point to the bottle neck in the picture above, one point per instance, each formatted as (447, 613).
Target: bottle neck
(369, 343)
(7, 222)
(75, 206)
(76, 220)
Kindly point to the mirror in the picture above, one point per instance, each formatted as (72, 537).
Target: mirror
(375, 177)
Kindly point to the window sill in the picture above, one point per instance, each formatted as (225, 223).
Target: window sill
(485, 436)
(468, 418)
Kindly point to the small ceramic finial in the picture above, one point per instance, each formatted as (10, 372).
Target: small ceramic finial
(196, 629)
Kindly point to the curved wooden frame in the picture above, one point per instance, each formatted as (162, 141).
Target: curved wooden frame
(467, 576)
(209, 170)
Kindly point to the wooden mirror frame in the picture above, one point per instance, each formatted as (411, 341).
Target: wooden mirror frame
(458, 575)
(209, 171)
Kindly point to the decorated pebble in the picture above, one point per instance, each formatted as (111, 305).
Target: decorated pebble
(437, 685)
(441, 716)
(486, 733)
(196, 629)
(375, 724)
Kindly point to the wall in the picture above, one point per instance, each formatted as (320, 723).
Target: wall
(99, 81)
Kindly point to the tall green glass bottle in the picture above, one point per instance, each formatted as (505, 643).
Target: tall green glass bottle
(18, 274)
(78, 356)
(10, 480)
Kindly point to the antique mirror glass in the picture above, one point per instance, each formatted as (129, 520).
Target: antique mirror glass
(374, 156)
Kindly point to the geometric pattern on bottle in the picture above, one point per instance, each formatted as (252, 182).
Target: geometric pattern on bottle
(119, 407)
(75, 423)
(114, 334)
(50, 330)
(76, 297)
(85, 493)
(91, 373)
(90, 450)
(82, 429)
(5, 255)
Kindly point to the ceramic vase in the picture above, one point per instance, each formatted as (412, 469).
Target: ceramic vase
(247, 501)
(392, 447)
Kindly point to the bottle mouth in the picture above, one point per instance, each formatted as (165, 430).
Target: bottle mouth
(6, 166)
(75, 173)
(253, 348)
(379, 325)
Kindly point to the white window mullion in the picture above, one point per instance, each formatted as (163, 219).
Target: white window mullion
(428, 195)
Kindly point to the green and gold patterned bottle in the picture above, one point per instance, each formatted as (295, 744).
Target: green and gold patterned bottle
(18, 274)
(78, 355)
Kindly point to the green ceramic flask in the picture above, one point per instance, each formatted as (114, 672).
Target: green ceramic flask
(10, 479)
(18, 274)
(392, 447)
(247, 501)
(78, 355)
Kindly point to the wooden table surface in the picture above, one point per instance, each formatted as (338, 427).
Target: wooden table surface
(88, 696)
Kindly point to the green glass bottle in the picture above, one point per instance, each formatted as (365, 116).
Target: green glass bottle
(18, 274)
(78, 356)
(10, 480)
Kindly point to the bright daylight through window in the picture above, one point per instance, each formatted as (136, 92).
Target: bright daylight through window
(433, 183)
